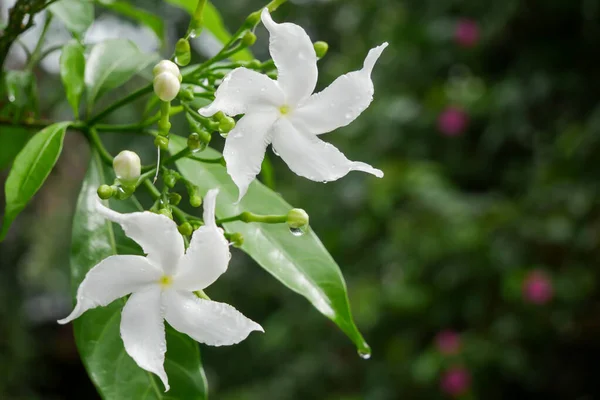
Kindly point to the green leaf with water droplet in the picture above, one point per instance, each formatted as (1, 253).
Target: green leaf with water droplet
(114, 373)
(301, 262)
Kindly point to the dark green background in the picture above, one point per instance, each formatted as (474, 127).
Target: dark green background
(442, 242)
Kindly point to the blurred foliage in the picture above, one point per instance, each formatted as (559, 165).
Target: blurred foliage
(444, 241)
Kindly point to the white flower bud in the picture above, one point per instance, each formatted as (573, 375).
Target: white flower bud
(127, 166)
(167, 66)
(166, 86)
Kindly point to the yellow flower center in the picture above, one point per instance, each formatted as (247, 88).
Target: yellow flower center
(165, 281)
(284, 109)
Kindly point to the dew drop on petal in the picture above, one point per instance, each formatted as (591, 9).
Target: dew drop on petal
(364, 354)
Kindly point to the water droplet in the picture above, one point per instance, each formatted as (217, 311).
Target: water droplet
(193, 34)
(11, 98)
(275, 151)
(200, 148)
(298, 231)
(365, 354)
(348, 116)
(224, 135)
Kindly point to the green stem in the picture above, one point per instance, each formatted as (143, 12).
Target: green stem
(169, 160)
(136, 127)
(35, 55)
(95, 141)
(127, 99)
(207, 160)
(247, 216)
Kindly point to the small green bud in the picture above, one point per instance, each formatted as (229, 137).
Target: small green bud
(272, 75)
(195, 200)
(105, 192)
(162, 142)
(249, 39)
(166, 212)
(219, 115)
(127, 166)
(170, 179)
(196, 223)
(185, 229)
(174, 198)
(226, 125)
(186, 94)
(321, 48)
(253, 19)
(253, 64)
(297, 218)
(194, 142)
(183, 55)
(236, 238)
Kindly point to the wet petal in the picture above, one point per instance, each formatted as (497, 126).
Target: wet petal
(245, 147)
(206, 321)
(143, 332)
(312, 158)
(156, 234)
(340, 103)
(244, 90)
(295, 58)
(113, 278)
(207, 256)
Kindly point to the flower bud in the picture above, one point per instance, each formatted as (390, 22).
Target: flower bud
(183, 56)
(167, 66)
(162, 142)
(174, 198)
(237, 239)
(297, 218)
(249, 39)
(170, 179)
(194, 142)
(127, 166)
(321, 48)
(105, 192)
(166, 86)
(166, 212)
(185, 229)
(186, 93)
(226, 125)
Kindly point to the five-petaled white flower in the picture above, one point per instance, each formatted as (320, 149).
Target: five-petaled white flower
(162, 286)
(285, 114)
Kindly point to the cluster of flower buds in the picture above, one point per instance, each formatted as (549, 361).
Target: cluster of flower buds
(128, 168)
(167, 80)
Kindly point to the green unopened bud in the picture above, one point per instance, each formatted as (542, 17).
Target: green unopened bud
(272, 75)
(183, 56)
(170, 178)
(249, 39)
(167, 66)
(127, 166)
(196, 223)
(253, 19)
(105, 192)
(219, 115)
(162, 142)
(237, 239)
(297, 218)
(166, 212)
(321, 49)
(195, 200)
(174, 198)
(194, 142)
(186, 94)
(226, 125)
(185, 229)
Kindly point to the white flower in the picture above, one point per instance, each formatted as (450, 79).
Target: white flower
(285, 114)
(162, 286)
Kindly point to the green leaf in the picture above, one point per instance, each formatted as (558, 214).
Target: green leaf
(214, 24)
(72, 69)
(114, 373)
(300, 263)
(20, 88)
(12, 140)
(30, 169)
(112, 63)
(152, 21)
(77, 15)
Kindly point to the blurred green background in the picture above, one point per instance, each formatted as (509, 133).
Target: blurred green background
(471, 267)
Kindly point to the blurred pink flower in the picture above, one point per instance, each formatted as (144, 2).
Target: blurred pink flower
(537, 288)
(466, 33)
(455, 381)
(448, 342)
(452, 121)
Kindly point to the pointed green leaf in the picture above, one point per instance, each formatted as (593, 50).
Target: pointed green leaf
(112, 63)
(77, 15)
(154, 22)
(300, 263)
(30, 169)
(72, 69)
(114, 373)
(214, 24)
(12, 140)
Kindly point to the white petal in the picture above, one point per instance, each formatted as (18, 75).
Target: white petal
(245, 147)
(312, 158)
(205, 260)
(143, 332)
(340, 103)
(209, 322)
(295, 58)
(244, 90)
(210, 203)
(112, 278)
(156, 234)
